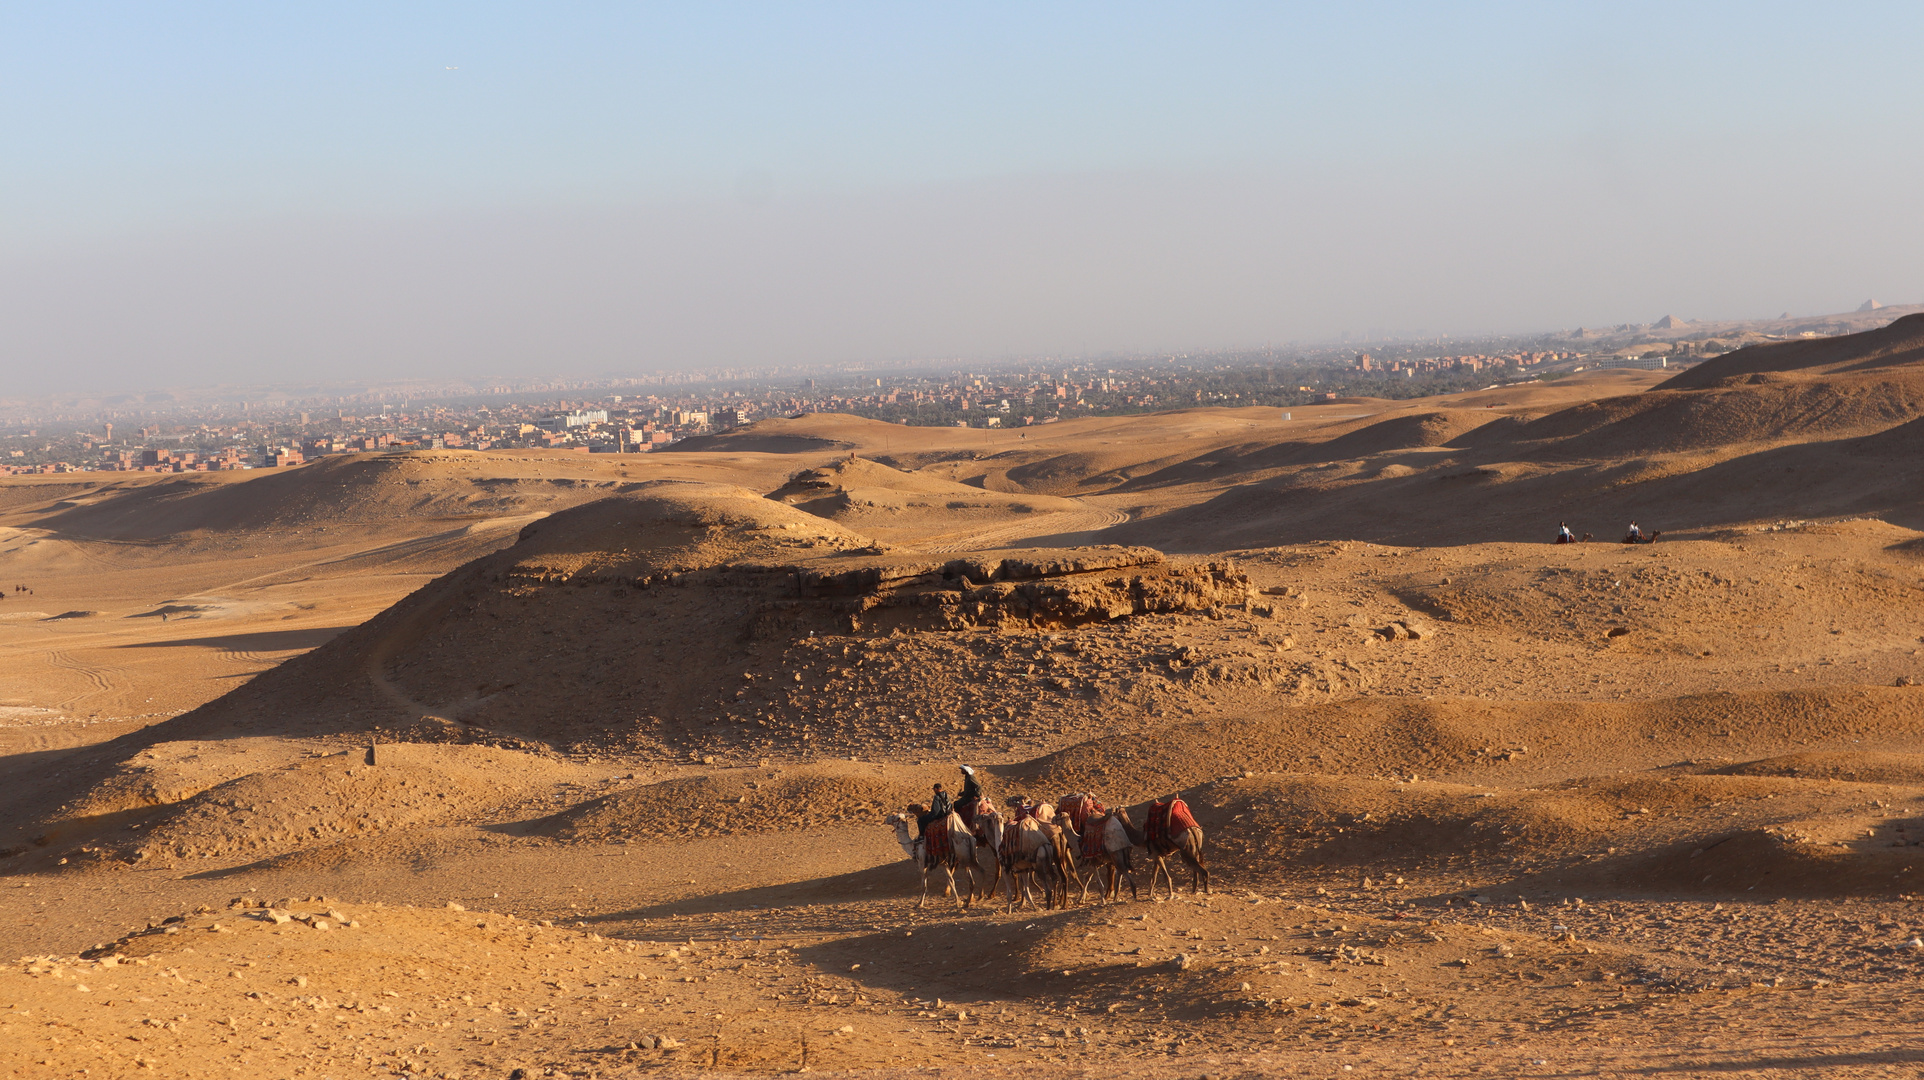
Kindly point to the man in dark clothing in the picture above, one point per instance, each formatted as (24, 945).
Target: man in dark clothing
(939, 808)
(971, 794)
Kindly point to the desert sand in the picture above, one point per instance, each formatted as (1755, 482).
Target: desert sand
(462, 764)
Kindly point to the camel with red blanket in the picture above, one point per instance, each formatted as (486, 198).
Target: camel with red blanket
(1084, 821)
(1170, 829)
(944, 849)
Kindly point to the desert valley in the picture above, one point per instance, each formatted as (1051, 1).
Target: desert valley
(523, 763)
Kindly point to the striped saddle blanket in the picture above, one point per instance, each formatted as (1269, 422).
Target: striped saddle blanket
(1168, 820)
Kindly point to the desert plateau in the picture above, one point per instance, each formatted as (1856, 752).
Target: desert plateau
(525, 763)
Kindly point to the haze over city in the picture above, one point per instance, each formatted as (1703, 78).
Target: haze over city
(214, 193)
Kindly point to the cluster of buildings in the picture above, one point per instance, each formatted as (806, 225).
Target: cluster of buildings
(616, 425)
(1479, 362)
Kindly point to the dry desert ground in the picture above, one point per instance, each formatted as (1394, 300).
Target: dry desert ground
(528, 764)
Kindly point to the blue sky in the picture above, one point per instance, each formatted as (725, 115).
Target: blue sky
(209, 190)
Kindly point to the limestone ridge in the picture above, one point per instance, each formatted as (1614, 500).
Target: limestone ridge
(1042, 589)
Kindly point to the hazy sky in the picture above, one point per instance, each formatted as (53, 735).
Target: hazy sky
(192, 193)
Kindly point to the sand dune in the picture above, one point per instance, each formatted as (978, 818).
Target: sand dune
(1898, 346)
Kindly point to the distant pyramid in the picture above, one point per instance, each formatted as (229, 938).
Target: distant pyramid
(1784, 316)
(1669, 322)
(1869, 305)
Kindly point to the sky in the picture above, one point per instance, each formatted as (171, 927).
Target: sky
(196, 193)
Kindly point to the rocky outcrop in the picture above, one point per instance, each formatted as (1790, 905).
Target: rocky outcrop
(1044, 589)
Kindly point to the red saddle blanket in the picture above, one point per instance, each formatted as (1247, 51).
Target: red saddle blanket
(974, 809)
(1079, 809)
(935, 843)
(1092, 837)
(1169, 820)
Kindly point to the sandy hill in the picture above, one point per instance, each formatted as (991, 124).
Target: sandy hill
(851, 488)
(1896, 346)
(683, 616)
(927, 510)
(813, 433)
(342, 490)
(1747, 437)
(1758, 439)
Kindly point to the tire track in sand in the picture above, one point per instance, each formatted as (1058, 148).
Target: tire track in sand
(97, 677)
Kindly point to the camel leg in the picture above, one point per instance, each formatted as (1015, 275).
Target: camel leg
(1118, 869)
(1199, 875)
(995, 872)
(1192, 853)
(1161, 870)
(969, 864)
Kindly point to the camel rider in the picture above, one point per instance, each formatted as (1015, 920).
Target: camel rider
(939, 808)
(1564, 535)
(1634, 535)
(971, 794)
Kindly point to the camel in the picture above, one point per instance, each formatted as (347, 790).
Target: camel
(1029, 855)
(1188, 845)
(989, 826)
(1116, 859)
(961, 855)
(1064, 841)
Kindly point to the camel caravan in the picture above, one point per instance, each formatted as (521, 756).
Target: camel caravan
(1044, 849)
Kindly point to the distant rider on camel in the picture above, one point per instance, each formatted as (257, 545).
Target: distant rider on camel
(1564, 535)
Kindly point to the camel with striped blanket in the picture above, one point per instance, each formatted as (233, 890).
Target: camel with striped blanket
(1169, 829)
(960, 854)
(1110, 854)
